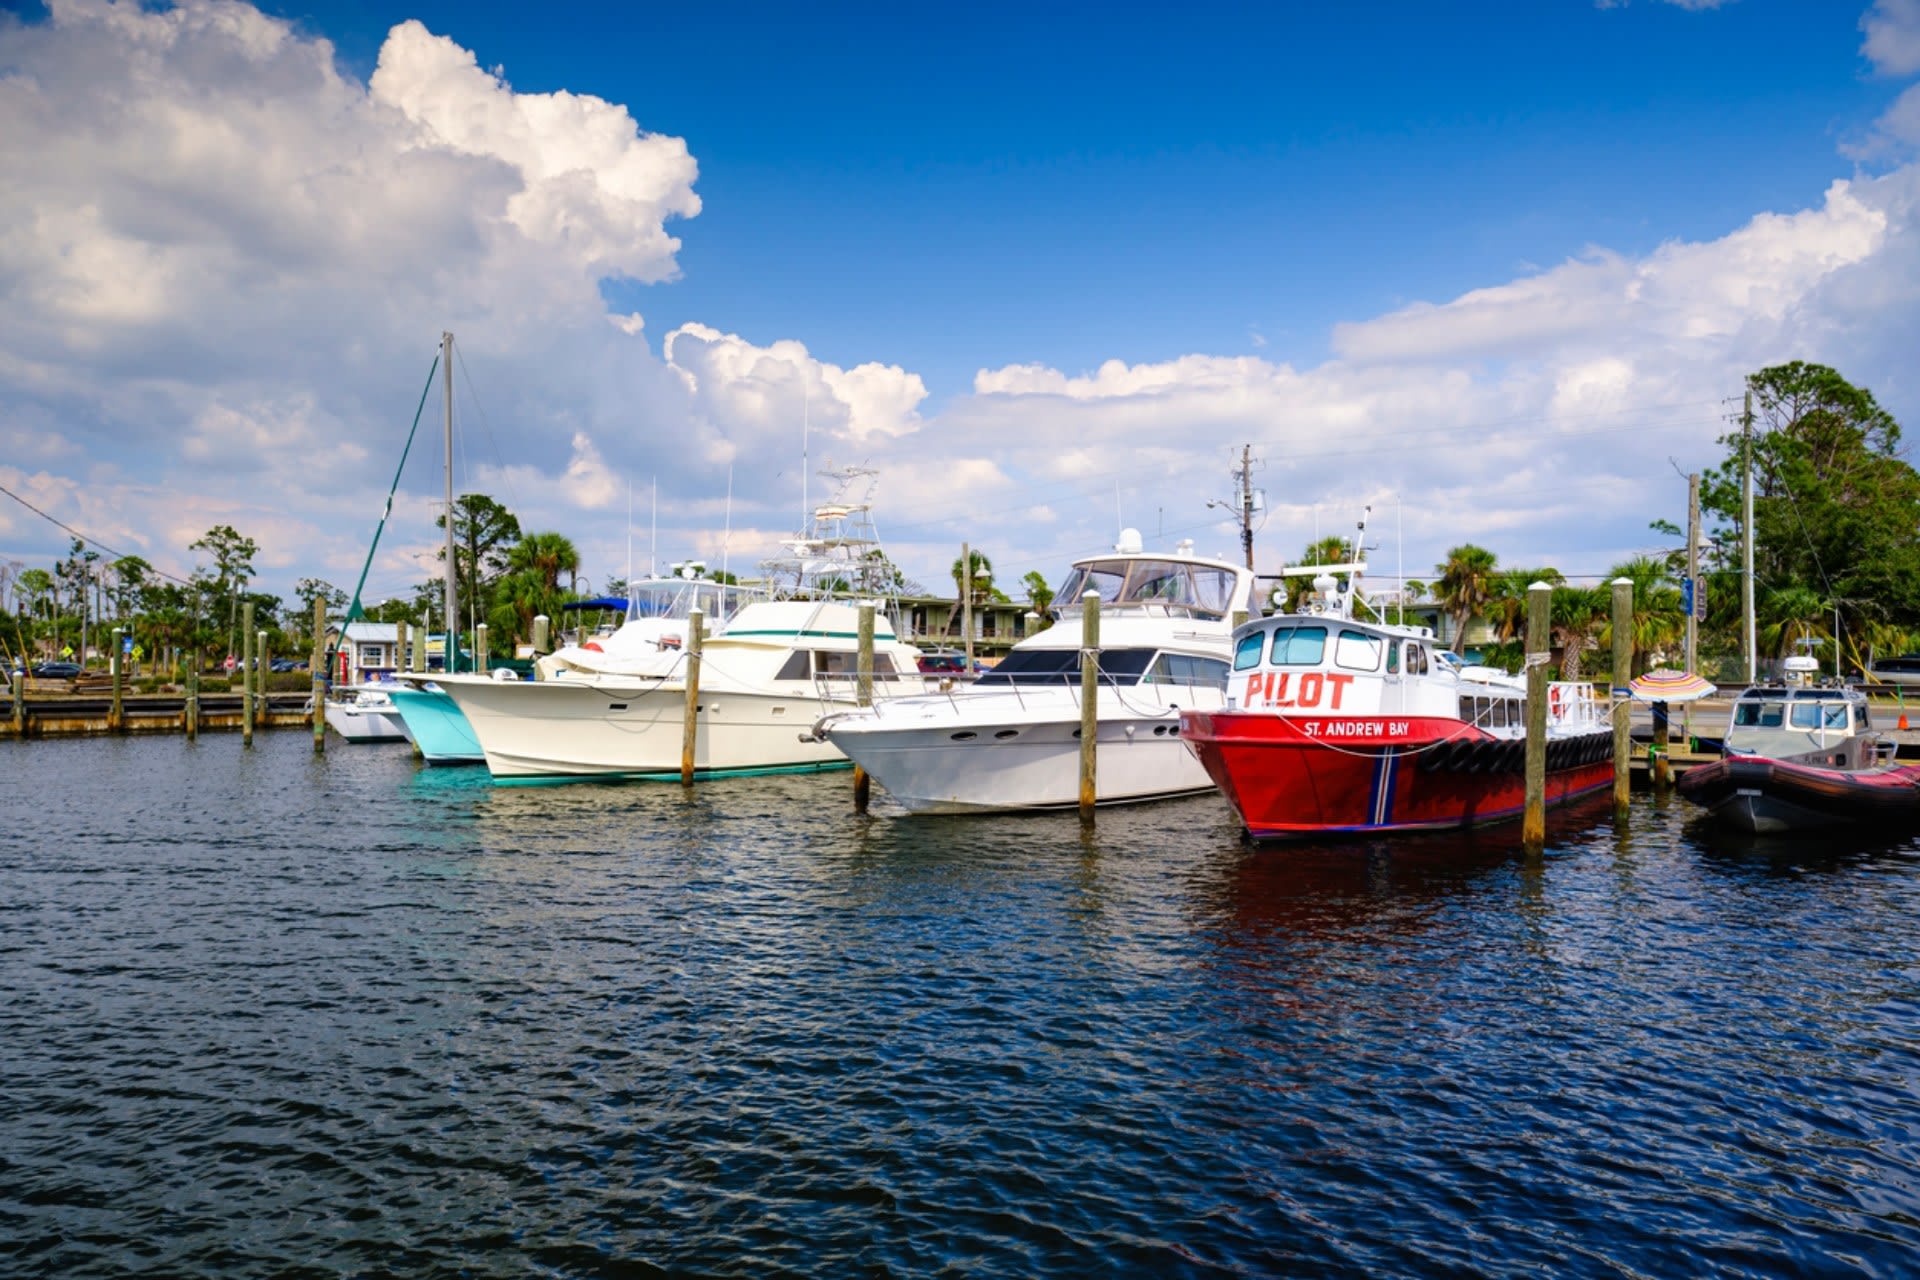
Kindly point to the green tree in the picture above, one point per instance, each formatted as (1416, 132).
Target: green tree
(38, 587)
(484, 533)
(1506, 604)
(1464, 586)
(232, 569)
(1659, 624)
(1577, 616)
(1039, 593)
(972, 579)
(531, 585)
(1835, 505)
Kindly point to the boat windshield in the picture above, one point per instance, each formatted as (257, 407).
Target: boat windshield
(1757, 714)
(677, 597)
(1062, 666)
(1173, 585)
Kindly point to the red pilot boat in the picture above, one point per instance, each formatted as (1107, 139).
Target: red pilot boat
(1337, 725)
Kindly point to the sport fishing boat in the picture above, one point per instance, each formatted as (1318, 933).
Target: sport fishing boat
(1339, 725)
(777, 667)
(1011, 739)
(1801, 756)
(654, 630)
(648, 641)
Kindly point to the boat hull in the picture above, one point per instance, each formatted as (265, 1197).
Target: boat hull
(573, 729)
(1770, 797)
(365, 723)
(434, 722)
(1007, 752)
(1296, 776)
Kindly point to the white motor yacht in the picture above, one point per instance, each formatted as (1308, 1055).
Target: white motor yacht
(1011, 740)
(763, 682)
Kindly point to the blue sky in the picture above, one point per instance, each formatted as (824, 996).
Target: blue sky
(1493, 265)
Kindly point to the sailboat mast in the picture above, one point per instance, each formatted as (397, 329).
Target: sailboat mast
(452, 647)
(1746, 538)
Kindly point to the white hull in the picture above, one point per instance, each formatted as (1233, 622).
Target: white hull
(366, 724)
(989, 751)
(576, 728)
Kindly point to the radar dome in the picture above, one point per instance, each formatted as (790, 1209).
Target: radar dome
(1129, 544)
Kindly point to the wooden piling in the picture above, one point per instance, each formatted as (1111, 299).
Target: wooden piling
(19, 686)
(261, 667)
(480, 657)
(247, 674)
(1622, 706)
(317, 668)
(190, 714)
(1662, 749)
(1533, 822)
(690, 728)
(542, 635)
(863, 695)
(116, 713)
(1089, 701)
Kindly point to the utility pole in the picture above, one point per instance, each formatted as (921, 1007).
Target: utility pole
(1246, 502)
(1746, 536)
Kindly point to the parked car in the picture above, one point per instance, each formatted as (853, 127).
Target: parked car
(288, 664)
(55, 671)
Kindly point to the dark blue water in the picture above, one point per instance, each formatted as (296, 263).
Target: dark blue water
(263, 1013)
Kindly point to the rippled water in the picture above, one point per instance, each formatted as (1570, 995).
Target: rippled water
(266, 1013)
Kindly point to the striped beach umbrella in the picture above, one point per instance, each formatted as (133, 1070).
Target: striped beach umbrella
(1670, 686)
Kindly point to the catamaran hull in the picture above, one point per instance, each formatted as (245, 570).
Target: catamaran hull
(979, 768)
(564, 729)
(1296, 776)
(434, 722)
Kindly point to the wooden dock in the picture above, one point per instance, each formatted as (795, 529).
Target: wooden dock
(67, 715)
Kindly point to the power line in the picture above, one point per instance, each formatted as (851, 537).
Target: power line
(89, 540)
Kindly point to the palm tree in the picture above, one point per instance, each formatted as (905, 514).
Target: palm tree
(1039, 594)
(546, 556)
(1790, 614)
(1658, 620)
(1578, 615)
(1506, 606)
(977, 586)
(531, 585)
(1464, 586)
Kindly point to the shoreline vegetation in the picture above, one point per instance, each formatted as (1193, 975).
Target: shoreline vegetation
(1836, 571)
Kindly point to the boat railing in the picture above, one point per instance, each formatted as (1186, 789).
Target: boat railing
(1576, 706)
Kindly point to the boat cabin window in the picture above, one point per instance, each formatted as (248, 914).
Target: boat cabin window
(1184, 669)
(1212, 591)
(1109, 578)
(835, 665)
(1062, 666)
(1393, 657)
(1357, 651)
(1247, 653)
(1165, 584)
(1298, 646)
(1416, 660)
(1817, 715)
(1765, 715)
